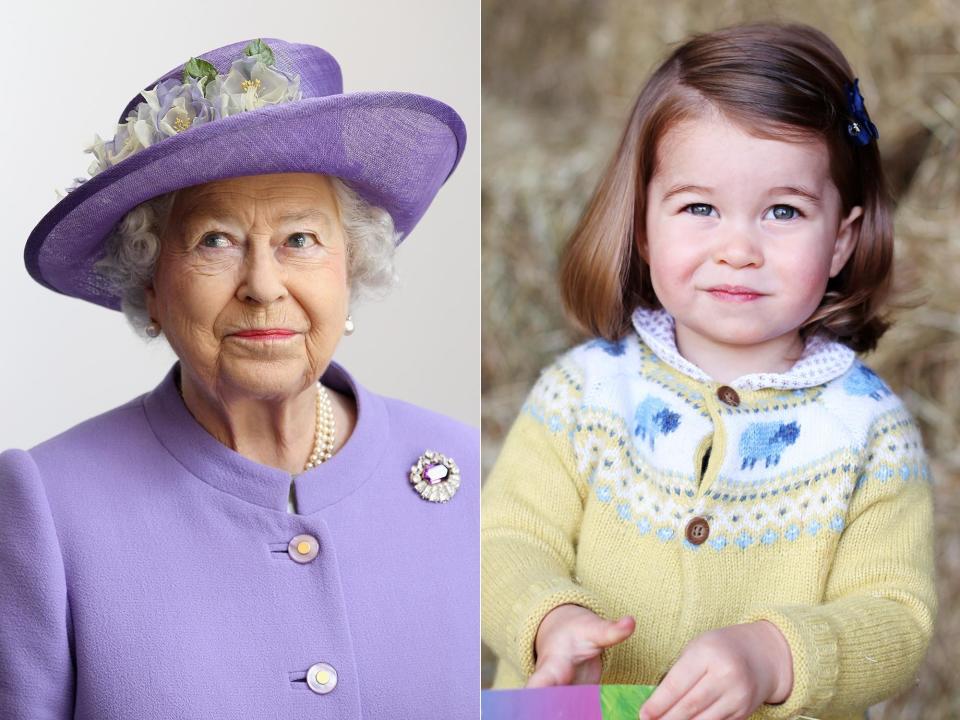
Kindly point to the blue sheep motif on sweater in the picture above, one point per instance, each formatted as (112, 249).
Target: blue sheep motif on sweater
(767, 441)
(653, 418)
(864, 381)
(610, 347)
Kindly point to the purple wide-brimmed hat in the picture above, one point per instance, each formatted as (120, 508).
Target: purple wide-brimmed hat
(276, 107)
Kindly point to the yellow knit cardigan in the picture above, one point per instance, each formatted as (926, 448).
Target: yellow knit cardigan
(816, 494)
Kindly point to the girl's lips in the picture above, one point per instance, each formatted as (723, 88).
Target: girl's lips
(734, 293)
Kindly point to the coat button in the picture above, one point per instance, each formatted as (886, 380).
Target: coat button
(698, 530)
(321, 678)
(728, 395)
(303, 548)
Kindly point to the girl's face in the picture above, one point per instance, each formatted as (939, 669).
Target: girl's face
(742, 235)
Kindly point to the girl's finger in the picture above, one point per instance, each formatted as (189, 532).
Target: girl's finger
(701, 697)
(607, 634)
(588, 672)
(725, 707)
(674, 686)
(717, 711)
(728, 714)
(551, 672)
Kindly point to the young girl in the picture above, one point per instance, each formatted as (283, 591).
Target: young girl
(717, 469)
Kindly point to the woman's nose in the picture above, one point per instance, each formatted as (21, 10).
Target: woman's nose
(263, 280)
(738, 247)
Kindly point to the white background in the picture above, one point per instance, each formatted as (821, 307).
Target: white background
(71, 68)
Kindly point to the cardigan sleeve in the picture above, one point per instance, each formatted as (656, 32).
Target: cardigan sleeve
(37, 677)
(530, 518)
(867, 639)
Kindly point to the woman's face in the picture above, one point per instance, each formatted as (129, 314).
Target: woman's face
(265, 252)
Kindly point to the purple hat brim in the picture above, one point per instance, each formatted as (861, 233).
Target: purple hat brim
(395, 149)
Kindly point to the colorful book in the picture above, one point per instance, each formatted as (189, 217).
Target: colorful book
(566, 702)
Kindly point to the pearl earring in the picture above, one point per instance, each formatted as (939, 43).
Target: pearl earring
(348, 326)
(152, 329)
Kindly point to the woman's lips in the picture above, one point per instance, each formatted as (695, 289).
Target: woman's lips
(734, 293)
(269, 334)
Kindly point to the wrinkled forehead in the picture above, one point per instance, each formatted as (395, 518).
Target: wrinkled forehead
(272, 197)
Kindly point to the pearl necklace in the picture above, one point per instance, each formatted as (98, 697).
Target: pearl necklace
(326, 430)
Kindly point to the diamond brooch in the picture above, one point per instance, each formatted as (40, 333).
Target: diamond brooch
(436, 477)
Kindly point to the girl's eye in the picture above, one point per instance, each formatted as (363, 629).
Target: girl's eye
(783, 212)
(214, 240)
(699, 209)
(301, 240)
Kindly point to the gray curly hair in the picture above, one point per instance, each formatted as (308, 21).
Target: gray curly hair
(132, 250)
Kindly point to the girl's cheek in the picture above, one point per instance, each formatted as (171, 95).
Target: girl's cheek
(817, 286)
(677, 266)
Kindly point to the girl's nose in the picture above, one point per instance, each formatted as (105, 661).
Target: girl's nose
(738, 247)
(263, 279)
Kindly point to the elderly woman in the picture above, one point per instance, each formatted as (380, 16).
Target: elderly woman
(258, 536)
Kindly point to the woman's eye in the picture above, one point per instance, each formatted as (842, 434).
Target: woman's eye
(301, 240)
(700, 209)
(214, 240)
(783, 212)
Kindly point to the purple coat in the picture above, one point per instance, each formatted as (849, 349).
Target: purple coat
(145, 572)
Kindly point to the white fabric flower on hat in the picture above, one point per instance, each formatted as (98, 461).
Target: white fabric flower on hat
(201, 96)
(106, 153)
(249, 85)
(174, 107)
(144, 125)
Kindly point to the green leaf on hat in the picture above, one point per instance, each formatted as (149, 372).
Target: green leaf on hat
(260, 50)
(200, 69)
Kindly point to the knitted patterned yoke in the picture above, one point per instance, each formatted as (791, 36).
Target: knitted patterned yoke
(632, 483)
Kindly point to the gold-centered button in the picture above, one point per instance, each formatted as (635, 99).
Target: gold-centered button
(303, 548)
(728, 395)
(698, 530)
(321, 678)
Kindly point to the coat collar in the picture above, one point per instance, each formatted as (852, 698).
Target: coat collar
(822, 360)
(227, 470)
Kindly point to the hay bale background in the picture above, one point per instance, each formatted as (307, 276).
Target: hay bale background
(559, 77)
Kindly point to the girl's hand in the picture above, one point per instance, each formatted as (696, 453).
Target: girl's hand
(569, 642)
(725, 674)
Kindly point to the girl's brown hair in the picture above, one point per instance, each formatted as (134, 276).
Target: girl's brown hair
(782, 81)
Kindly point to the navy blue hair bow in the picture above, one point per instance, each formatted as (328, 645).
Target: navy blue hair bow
(860, 128)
